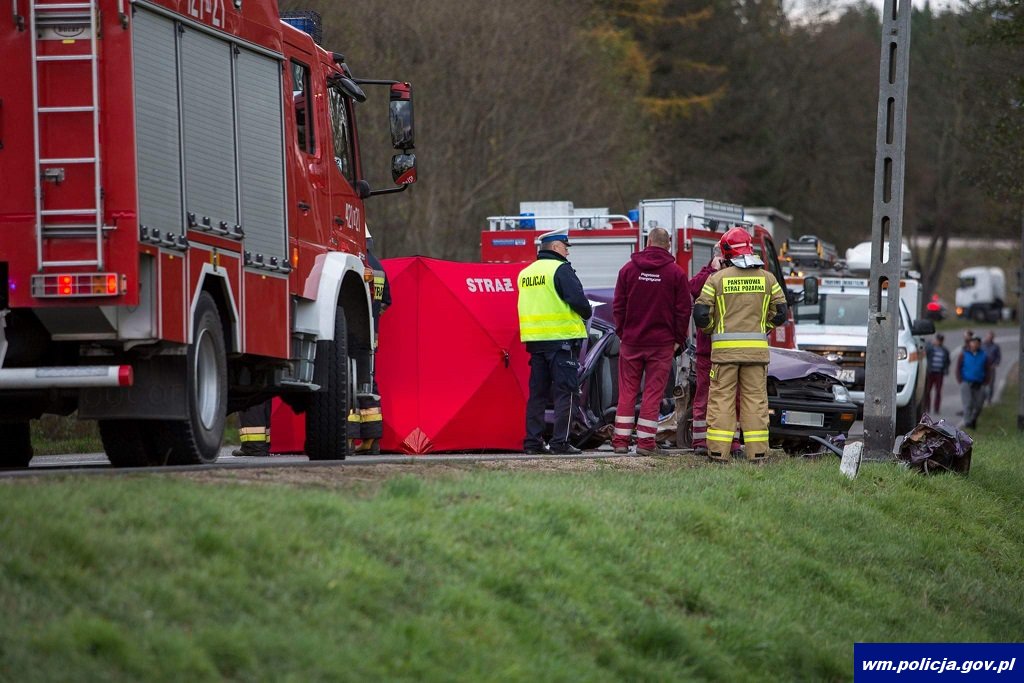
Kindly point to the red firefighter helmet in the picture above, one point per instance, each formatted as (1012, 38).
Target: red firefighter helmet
(738, 248)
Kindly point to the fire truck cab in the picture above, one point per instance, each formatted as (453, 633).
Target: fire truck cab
(182, 223)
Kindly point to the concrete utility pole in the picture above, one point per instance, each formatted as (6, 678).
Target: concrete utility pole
(1020, 319)
(887, 229)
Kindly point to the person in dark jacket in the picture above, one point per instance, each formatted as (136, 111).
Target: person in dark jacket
(938, 368)
(652, 316)
(973, 371)
(703, 370)
(552, 310)
(995, 356)
(365, 421)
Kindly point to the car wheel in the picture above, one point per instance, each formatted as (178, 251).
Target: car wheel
(684, 429)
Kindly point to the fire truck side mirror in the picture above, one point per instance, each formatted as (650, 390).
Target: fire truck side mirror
(810, 291)
(403, 136)
(363, 189)
(348, 87)
(403, 169)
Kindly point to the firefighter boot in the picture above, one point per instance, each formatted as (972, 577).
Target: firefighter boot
(252, 449)
(368, 447)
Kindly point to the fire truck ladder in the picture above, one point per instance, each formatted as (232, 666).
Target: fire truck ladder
(44, 15)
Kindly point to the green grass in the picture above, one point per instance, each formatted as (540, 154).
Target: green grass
(56, 434)
(671, 572)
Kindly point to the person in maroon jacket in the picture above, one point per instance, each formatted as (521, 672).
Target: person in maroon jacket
(652, 316)
(700, 398)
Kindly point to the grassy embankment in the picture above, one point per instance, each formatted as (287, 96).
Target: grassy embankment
(640, 569)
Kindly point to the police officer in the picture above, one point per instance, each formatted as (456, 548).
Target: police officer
(737, 306)
(552, 311)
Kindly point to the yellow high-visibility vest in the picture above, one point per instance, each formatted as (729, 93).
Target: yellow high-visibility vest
(543, 315)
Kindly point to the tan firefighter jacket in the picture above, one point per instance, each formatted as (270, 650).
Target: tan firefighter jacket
(743, 303)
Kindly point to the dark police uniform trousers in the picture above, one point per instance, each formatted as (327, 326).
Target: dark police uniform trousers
(554, 372)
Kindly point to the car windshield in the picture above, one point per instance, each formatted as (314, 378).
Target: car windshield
(837, 309)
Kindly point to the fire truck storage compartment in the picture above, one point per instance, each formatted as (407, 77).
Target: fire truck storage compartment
(210, 139)
(599, 267)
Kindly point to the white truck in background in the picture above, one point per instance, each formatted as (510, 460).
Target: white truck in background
(981, 293)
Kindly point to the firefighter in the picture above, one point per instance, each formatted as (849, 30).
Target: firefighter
(737, 306)
(368, 424)
(703, 371)
(254, 431)
(552, 311)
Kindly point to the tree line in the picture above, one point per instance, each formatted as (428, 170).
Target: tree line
(606, 102)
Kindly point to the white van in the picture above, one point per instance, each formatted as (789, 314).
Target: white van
(836, 328)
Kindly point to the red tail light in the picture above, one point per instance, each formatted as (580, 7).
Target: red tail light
(78, 285)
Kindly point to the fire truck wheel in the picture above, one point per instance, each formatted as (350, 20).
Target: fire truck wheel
(197, 439)
(17, 444)
(129, 443)
(326, 417)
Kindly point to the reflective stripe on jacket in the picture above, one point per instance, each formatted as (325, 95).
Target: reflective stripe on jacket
(543, 315)
(743, 303)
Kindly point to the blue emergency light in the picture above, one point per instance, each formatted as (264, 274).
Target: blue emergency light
(307, 21)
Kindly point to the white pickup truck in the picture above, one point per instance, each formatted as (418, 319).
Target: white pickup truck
(835, 326)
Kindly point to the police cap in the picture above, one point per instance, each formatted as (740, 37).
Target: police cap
(559, 235)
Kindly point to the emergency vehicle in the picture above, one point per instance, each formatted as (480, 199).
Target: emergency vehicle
(181, 223)
(603, 242)
(807, 252)
(832, 321)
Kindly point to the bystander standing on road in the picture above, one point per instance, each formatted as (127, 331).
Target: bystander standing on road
(938, 368)
(968, 336)
(965, 389)
(994, 356)
(652, 316)
(972, 374)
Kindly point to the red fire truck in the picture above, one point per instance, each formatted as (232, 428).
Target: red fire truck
(602, 242)
(181, 223)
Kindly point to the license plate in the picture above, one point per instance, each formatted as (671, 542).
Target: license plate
(800, 418)
(847, 376)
